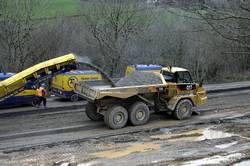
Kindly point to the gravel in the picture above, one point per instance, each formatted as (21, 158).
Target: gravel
(139, 78)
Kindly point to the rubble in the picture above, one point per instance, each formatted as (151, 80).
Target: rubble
(139, 78)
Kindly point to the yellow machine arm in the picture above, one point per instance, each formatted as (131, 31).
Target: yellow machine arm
(41, 71)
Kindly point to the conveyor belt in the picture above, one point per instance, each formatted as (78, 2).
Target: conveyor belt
(37, 73)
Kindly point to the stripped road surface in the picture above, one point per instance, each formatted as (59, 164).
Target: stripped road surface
(220, 135)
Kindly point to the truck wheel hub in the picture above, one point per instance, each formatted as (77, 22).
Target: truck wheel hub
(118, 118)
(140, 115)
(184, 109)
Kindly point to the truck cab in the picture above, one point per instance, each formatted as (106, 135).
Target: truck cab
(180, 76)
(182, 87)
(176, 74)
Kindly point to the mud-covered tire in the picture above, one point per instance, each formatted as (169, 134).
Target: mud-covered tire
(91, 112)
(74, 98)
(116, 117)
(183, 110)
(138, 114)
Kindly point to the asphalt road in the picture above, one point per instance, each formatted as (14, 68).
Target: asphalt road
(220, 135)
(56, 104)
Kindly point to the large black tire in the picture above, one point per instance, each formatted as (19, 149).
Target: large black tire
(116, 117)
(138, 113)
(35, 102)
(74, 98)
(183, 109)
(91, 112)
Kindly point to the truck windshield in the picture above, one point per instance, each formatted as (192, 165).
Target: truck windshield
(169, 77)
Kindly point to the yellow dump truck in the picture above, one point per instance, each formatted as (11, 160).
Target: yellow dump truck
(62, 84)
(173, 91)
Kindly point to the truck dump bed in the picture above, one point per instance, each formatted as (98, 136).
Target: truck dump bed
(92, 92)
(98, 92)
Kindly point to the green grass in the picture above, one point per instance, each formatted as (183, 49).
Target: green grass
(64, 8)
(53, 8)
(60, 8)
(71, 7)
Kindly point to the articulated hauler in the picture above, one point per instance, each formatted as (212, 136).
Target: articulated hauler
(176, 94)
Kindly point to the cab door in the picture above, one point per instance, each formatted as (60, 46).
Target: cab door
(185, 84)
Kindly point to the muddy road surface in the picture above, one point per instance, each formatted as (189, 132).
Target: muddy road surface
(219, 136)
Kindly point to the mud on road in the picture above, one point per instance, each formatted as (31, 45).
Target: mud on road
(219, 136)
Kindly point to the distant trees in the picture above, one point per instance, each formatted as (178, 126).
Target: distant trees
(209, 37)
(224, 28)
(230, 20)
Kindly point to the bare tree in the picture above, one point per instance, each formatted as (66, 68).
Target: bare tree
(16, 27)
(112, 26)
(230, 20)
(52, 38)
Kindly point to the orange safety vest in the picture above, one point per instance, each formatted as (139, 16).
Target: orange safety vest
(41, 92)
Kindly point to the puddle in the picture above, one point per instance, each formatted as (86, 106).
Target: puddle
(65, 164)
(131, 149)
(190, 135)
(243, 163)
(214, 160)
(88, 164)
(224, 146)
(165, 130)
(242, 121)
(194, 135)
(213, 134)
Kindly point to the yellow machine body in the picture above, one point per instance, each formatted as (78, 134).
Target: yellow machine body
(63, 84)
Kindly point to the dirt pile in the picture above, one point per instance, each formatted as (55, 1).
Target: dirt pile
(139, 78)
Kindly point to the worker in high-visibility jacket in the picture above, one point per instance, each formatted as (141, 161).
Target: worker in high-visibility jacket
(41, 94)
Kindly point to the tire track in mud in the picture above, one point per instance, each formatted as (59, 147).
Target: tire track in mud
(60, 109)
